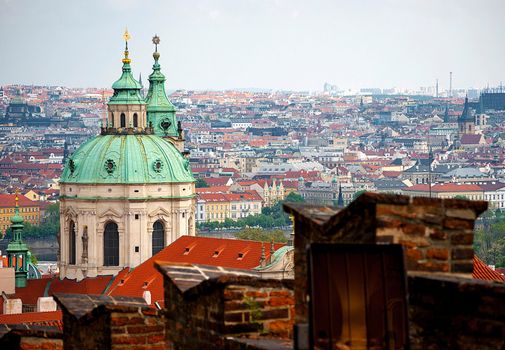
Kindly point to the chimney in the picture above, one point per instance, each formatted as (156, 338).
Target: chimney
(46, 304)
(147, 297)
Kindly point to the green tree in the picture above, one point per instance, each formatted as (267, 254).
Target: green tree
(256, 234)
(200, 183)
(459, 196)
(294, 197)
(489, 241)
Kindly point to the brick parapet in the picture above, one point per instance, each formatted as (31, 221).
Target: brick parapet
(31, 337)
(437, 234)
(208, 312)
(449, 312)
(96, 322)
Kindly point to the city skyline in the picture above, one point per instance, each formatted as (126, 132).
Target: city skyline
(255, 44)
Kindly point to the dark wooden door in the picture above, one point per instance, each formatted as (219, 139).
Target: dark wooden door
(357, 297)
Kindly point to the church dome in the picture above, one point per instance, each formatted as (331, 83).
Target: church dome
(127, 159)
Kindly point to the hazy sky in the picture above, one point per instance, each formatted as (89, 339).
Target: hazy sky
(285, 44)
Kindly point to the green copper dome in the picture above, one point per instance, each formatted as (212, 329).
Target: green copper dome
(127, 159)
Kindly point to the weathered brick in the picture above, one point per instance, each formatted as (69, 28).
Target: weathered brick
(272, 314)
(281, 293)
(233, 294)
(391, 209)
(467, 214)
(453, 223)
(119, 321)
(414, 229)
(281, 301)
(282, 328)
(462, 266)
(32, 343)
(155, 338)
(431, 265)
(234, 317)
(429, 218)
(438, 253)
(144, 329)
(256, 294)
(462, 238)
(414, 254)
(128, 339)
(413, 242)
(250, 327)
(437, 234)
(462, 253)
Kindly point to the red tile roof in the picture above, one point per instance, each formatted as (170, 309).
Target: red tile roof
(483, 272)
(93, 285)
(9, 200)
(36, 288)
(446, 187)
(217, 181)
(213, 189)
(189, 249)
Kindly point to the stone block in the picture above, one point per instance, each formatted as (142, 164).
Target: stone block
(45, 304)
(13, 306)
(438, 253)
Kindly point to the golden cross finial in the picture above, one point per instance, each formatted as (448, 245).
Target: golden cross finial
(126, 35)
(17, 197)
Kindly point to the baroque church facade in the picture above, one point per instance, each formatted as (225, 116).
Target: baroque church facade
(128, 192)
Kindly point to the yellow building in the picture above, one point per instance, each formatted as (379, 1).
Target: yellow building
(28, 209)
(216, 206)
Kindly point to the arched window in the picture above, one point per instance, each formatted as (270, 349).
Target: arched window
(111, 245)
(123, 120)
(112, 119)
(158, 237)
(71, 243)
(135, 120)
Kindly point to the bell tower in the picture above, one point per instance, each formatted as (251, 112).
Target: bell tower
(160, 111)
(126, 108)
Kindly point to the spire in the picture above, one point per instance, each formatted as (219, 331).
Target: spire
(272, 251)
(446, 113)
(466, 116)
(17, 251)
(160, 111)
(126, 88)
(263, 256)
(126, 37)
(340, 200)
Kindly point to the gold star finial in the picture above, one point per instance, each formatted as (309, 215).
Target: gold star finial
(156, 41)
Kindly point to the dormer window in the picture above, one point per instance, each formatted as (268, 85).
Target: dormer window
(216, 253)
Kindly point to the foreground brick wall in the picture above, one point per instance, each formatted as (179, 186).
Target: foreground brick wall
(102, 322)
(455, 313)
(202, 314)
(258, 310)
(437, 234)
(30, 337)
